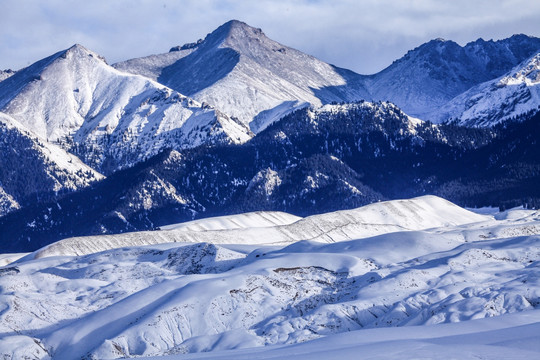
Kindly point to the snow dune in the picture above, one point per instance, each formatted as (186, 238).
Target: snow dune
(280, 229)
(423, 265)
(240, 221)
(188, 298)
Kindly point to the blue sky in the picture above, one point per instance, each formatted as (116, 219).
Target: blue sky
(362, 35)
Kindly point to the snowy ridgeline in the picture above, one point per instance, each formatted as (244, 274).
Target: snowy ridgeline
(431, 262)
(240, 71)
(76, 100)
(227, 90)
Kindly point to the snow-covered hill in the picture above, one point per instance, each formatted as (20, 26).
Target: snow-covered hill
(242, 72)
(494, 101)
(429, 76)
(512, 336)
(178, 298)
(109, 118)
(281, 228)
(259, 219)
(30, 167)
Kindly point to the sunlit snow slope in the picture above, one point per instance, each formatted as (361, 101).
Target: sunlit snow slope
(489, 103)
(379, 218)
(109, 118)
(242, 72)
(514, 336)
(260, 219)
(181, 298)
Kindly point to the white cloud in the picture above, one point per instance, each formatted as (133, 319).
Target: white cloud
(364, 35)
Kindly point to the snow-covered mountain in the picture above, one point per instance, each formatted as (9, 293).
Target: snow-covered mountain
(495, 101)
(242, 72)
(178, 298)
(313, 160)
(31, 168)
(429, 76)
(109, 118)
(257, 80)
(288, 273)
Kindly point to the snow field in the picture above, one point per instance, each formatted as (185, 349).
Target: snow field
(179, 298)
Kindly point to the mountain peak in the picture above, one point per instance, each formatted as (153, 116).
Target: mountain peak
(77, 50)
(78, 47)
(234, 29)
(235, 26)
(230, 29)
(522, 37)
(438, 42)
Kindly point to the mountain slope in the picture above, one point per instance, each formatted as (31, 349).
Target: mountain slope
(33, 170)
(110, 119)
(432, 74)
(495, 101)
(506, 169)
(174, 187)
(151, 66)
(245, 74)
(312, 161)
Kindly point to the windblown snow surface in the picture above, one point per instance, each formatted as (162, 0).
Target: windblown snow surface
(418, 278)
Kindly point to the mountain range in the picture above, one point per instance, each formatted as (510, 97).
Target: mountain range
(108, 118)
(259, 80)
(428, 77)
(238, 69)
(237, 122)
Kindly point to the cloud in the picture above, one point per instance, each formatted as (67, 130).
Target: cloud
(364, 35)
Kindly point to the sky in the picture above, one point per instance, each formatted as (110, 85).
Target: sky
(361, 35)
